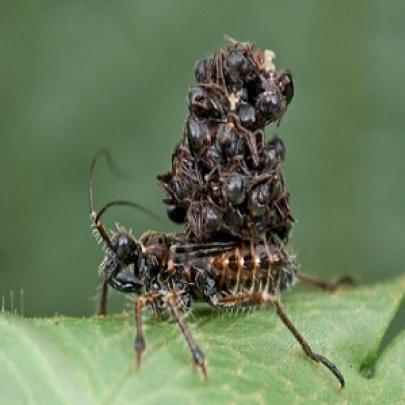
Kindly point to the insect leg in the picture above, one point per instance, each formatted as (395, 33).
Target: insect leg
(140, 304)
(102, 301)
(271, 299)
(120, 281)
(246, 299)
(322, 284)
(240, 300)
(198, 355)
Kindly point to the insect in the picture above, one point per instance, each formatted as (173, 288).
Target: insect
(166, 272)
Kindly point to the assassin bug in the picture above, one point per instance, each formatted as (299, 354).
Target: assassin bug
(166, 272)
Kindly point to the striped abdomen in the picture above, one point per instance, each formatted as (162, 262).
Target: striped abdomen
(252, 266)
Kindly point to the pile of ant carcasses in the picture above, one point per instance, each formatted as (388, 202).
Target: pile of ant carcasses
(226, 179)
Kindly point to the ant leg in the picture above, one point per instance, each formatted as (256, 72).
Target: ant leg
(140, 304)
(245, 299)
(322, 284)
(248, 136)
(102, 301)
(198, 355)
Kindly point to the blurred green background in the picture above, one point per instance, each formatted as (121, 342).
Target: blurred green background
(76, 76)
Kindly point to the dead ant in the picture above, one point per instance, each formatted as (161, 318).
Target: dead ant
(223, 149)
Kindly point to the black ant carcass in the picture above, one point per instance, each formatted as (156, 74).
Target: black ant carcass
(226, 185)
(225, 178)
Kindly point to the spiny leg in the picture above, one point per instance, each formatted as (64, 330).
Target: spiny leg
(322, 284)
(240, 300)
(102, 302)
(198, 355)
(305, 346)
(140, 304)
(246, 299)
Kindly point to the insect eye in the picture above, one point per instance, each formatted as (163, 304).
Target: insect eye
(123, 247)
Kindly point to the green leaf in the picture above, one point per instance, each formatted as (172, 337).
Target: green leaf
(252, 358)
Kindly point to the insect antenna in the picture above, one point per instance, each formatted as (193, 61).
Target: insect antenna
(96, 215)
(127, 203)
(93, 213)
(114, 168)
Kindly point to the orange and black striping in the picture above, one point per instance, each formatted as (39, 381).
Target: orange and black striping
(251, 265)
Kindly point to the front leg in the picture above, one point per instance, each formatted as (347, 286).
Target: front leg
(123, 282)
(141, 303)
(175, 303)
(102, 301)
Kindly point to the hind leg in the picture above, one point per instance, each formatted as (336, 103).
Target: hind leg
(263, 298)
(323, 284)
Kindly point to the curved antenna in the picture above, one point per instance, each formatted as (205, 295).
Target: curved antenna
(93, 213)
(114, 168)
(126, 203)
(95, 216)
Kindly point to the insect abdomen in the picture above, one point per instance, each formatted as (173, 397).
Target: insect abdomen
(251, 265)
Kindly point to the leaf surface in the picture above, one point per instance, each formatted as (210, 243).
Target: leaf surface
(252, 357)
